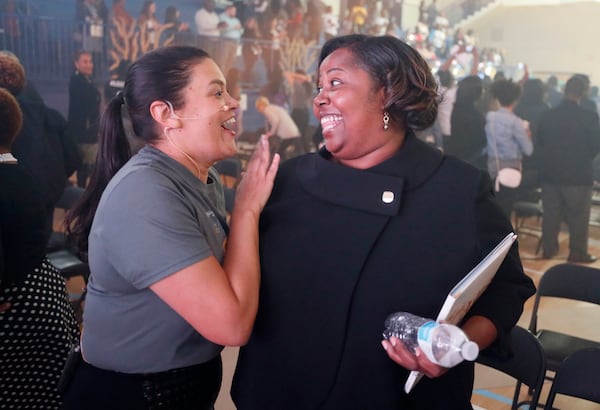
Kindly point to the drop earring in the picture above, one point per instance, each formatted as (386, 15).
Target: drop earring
(386, 120)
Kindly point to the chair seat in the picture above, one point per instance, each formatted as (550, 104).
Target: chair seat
(559, 346)
(524, 209)
(68, 264)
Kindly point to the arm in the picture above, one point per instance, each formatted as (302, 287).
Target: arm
(220, 302)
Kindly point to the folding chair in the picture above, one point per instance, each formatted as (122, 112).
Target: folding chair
(578, 376)
(527, 365)
(230, 170)
(568, 281)
(70, 265)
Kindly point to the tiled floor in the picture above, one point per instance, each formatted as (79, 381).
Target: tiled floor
(494, 390)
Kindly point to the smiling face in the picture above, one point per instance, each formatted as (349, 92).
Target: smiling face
(350, 110)
(207, 119)
(85, 64)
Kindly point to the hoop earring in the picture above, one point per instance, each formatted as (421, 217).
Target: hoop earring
(386, 120)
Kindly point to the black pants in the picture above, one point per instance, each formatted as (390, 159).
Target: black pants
(195, 387)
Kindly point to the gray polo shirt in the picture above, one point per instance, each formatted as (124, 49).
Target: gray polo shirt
(154, 219)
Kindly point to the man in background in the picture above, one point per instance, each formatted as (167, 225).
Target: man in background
(568, 140)
(84, 113)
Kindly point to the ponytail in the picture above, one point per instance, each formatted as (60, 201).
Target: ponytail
(113, 152)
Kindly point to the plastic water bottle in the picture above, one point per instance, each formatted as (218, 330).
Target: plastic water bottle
(443, 344)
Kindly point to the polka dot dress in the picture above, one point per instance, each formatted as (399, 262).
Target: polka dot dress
(36, 334)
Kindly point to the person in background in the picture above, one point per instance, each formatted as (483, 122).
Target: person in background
(568, 139)
(231, 33)
(172, 18)
(508, 140)
(331, 23)
(119, 13)
(38, 324)
(38, 147)
(280, 128)
(148, 24)
(554, 96)
(84, 113)
(467, 124)
(171, 289)
(356, 232)
(530, 107)
(302, 92)
(251, 49)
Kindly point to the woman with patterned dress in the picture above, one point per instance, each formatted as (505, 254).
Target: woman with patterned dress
(37, 323)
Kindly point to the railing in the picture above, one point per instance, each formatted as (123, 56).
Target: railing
(46, 47)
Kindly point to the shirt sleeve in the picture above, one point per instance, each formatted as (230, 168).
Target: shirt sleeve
(149, 230)
(525, 143)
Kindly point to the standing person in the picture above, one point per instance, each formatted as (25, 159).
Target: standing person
(38, 326)
(208, 27)
(280, 128)
(331, 23)
(84, 113)
(467, 124)
(231, 33)
(553, 94)
(354, 233)
(164, 297)
(38, 148)
(508, 140)
(120, 14)
(251, 49)
(568, 139)
(148, 24)
(300, 102)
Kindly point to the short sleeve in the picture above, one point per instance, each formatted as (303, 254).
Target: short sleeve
(148, 229)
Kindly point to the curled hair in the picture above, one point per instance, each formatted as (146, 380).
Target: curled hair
(11, 118)
(158, 75)
(12, 74)
(410, 89)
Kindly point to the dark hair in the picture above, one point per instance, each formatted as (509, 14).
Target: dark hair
(11, 118)
(506, 92)
(79, 53)
(575, 86)
(533, 91)
(161, 74)
(171, 15)
(12, 74)
(410, 89)
(446, 77)
(469, 90)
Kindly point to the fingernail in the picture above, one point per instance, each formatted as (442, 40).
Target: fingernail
(393, 341)
(384, 344)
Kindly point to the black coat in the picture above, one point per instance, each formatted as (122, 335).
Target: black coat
(568, 140)
(84, 109)
(336, 260)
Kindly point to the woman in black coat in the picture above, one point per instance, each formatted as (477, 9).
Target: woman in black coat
(376, 222)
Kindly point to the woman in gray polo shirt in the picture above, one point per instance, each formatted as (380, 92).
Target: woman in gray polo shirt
(164, 297)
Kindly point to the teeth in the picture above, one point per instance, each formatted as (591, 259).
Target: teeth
(230, 121)
(330, 121)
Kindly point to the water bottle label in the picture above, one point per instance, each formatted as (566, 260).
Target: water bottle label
(424, 339)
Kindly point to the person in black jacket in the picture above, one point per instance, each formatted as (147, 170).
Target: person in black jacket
(568, 140)
(84, 112)
(38, 324)
(38, 146)
(376, 222)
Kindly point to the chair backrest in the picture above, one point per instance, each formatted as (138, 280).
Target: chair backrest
(230, 170)
(527, 364)
(569, 281)
(578, 376)
(229, 166)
